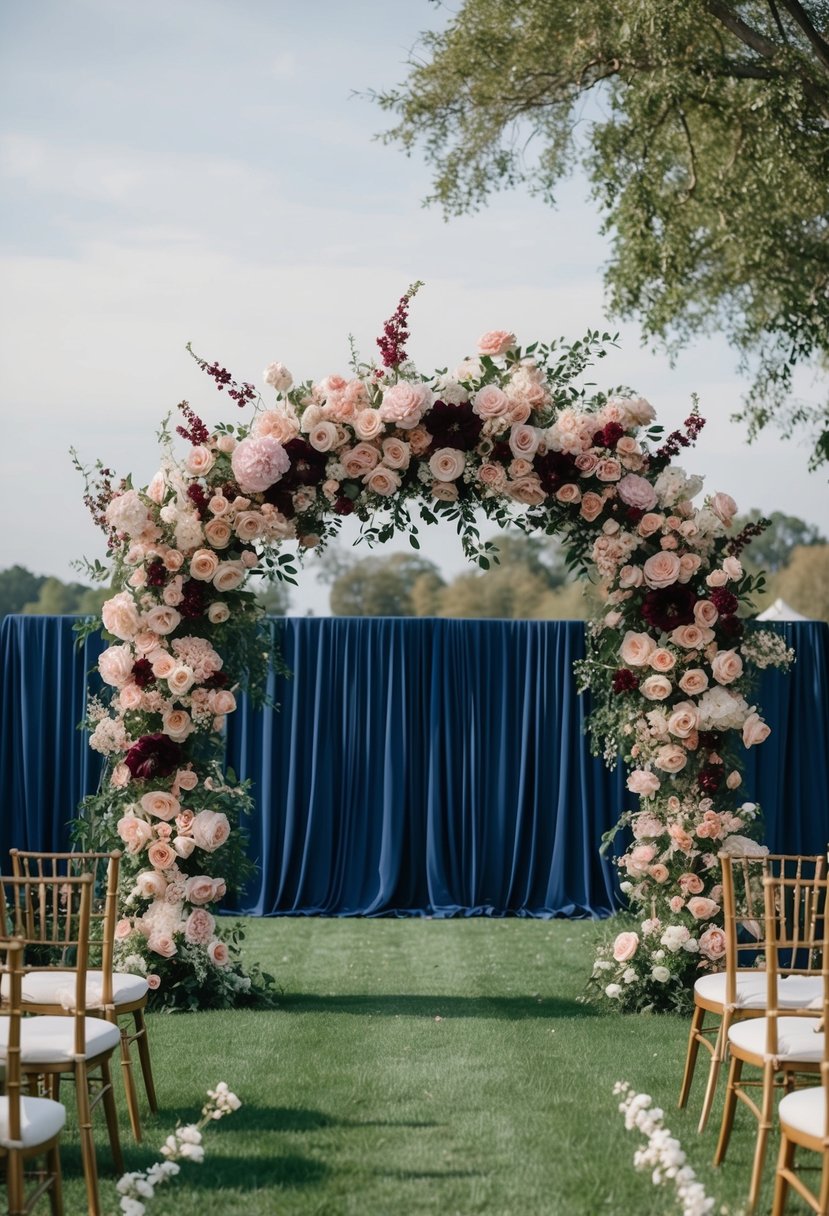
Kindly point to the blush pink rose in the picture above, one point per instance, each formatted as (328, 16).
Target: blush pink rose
(163, 944)
(115, 665)
(200, 460)
(153, 981)
(656, 688)
(649, 524)
(726, 666)
(217, 533)
(661, 570)
(184, 846)
(218, 954)
(690, 884)
(724, 507)
(671, 758)
(120, 616)
(642, 782)
(218, 613)
(691, 637)
(396, 453)
(755, 730)
(151, 885)
(360, 459)
(702, 908)
(161, 855)
(258, 463)
(683, 720)
(705, 614)
(162, 619)
(130, 697)
(496, 342)
(625, 946)
(123, 929)
(181, 680)
(368, 424)
(694, 681)
(712, 944)
(178, 724)
(323, 436)
(210, 830)
(445, 491)
(382, 481)
(733, 567)
(199, 889)
(527, 490)
(161, 804)
(568, 493)
(222, 701)
(636, 649)
(661, 660)
(490, 402)
(630, 576)
(447, 464)
(229, 576)
(404, 404)
(134, 832)
(608, 470)
(689, 564)
(523, 441)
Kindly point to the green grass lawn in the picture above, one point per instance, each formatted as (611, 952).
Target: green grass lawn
(420, 1066)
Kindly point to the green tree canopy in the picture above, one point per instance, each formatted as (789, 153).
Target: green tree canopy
(804, 583)
(380, 586)
(772, 550)
(18, 586)
(703, 126)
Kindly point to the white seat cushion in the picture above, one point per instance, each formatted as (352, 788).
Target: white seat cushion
(51, 1040)
(40, 1120)
(58, 988)
(805, 1110)
(793, 991)
(796, 1038)
(751, 988)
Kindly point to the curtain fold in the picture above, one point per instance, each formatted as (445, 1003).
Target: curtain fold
(432, 767)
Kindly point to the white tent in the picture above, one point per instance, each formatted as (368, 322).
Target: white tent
(781, 611)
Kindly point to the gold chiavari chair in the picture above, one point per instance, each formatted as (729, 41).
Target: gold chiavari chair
(29, 1127)
(51, 917)
(785, 1046)
(114, 994)
(739, 992)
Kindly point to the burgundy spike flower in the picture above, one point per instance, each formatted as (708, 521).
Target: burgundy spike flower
(395, 334)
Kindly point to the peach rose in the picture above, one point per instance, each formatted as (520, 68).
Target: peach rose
(656, 688)
(661, 570)
(184, 846)
(382, 481)
(636, 649)
(661, 659)
(630, 576)
(586, 463)
(659, 872)
(755, 730)
(691, 637)
(717, 578)
(523, 441)
(608, 470)
(177, 724)
(625, 946)
(248, 525)
(123, 929)
(642, 782)
(650, 523)
(527, 490)
(134, 832)
(161, 855)
(130, 697)
(492, 475)
(689, 564)
(222, 701)
(568, 493)
(200, 460)
(726, 666)
(218, 613)
(229, 576)
(671, 758)
(445, 491)
(217, 532)
(396, 453)
(160, 804)
(683, 719)
(368, 424)
(447, 464)
(591, 506)
(360, 459)
(705, 614)
(496, 342)
(181, 680)
(115, 665)
(162, 663)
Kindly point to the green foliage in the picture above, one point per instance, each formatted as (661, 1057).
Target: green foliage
(56, 598)
(18, 587)
(703, 126)
(380, 586)
(772, 550)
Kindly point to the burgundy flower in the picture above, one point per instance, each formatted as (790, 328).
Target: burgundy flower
(156, 573)
(710, 778)
(199, 497)
(624, 680)
(193, 602)
(307, 465)
(343, 505)
(669, 607)
(724, 601)
(153, 756)
(609, 436)
(456, 426)
(731, 627)
(710, 740)
(142, 673)
(554, 469)
(217, 680)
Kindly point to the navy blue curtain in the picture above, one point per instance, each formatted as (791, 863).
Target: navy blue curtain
(414, 766)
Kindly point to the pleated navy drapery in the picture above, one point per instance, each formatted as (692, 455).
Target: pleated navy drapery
(431, 766)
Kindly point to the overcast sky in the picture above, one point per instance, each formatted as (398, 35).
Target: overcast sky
(204, 171)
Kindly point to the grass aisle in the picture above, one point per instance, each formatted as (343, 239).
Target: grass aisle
(419, 1067)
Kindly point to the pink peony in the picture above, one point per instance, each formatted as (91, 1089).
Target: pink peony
(115, 665)
(120, 616)
(404, 404)
(643, 782)
(637, 492)
(258, 463)
(210, 830)
(496, 342)
(712, 944)
(199, 927)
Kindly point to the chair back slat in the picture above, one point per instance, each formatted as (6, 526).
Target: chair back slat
(11, 958)
(796, 921)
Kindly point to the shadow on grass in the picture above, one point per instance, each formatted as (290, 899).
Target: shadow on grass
(500, 1008)
(283, 1119)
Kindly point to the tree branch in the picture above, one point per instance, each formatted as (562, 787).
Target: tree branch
(742, 30)
(820, 45)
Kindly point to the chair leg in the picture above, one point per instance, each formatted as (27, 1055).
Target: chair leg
(691, 1054)
(823, 1198)
(763, 1132)
(129, 1084)
(144, 1056)
(714, 1069)
(90, 1164)
(735, 1068)
(785, 1161)
(15, 1183)
(56, 1189)
(111, 1112)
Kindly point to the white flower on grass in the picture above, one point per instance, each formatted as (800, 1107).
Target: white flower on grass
(613, 991)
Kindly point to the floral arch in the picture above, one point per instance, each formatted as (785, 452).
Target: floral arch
(510, 432)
